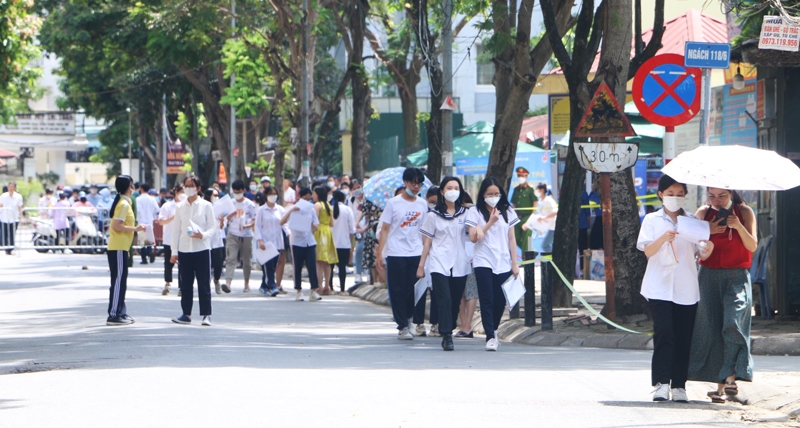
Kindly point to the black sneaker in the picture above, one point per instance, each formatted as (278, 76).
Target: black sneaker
(144, 262)
(183, 319)
(447, 342)
(117, 321)
(129, 318)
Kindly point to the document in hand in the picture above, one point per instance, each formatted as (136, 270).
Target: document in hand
(693, 230)
(147, 237)
(300, 220)
(223, 206)
(268, 253)
(194, 228)
(419, 289)
(540, 227)
(513, 290)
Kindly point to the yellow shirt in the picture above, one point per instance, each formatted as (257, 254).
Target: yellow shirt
(121, 241)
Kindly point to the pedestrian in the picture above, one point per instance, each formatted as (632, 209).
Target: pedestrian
(289, 194)
(671, 289)
(269, 230)
(11, 204)
(217, 242)
(372, 214)
(524, 201)
(119, 242)
(194, 226)
(45, 202)
(584, 218)
(344, 228)
(239, 242)
(444, 233)
(265, 183)
(400, 232)
(546, 210)
(94, 195)
(491, 228)
(59, 215)
(331, 183)
(721, 343)
(166, 216)
(146, 212)
(470, 300)
(345, 189)
(326, 248)
(304, 246)
(418, 315)
(250, 194)
(83, 202)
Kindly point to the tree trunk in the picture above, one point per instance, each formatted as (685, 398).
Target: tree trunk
(362, 99)
(408, 103)
(433, 127)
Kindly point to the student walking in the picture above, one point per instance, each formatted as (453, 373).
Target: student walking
(217, 243)
(146, 213)
(304, 246)
(11, 205)
(671, 288)
(239, 244)
(344, 228)
(165, 217)
(400, 225)
(269, 230)
(444, 235)
(326, 248)
(194, 226)
(491, 227)
(119, 241)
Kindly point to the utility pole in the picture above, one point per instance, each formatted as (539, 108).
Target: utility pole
(130, 144)
(304, 95)
(447, 71)
(164, 139)
(232, 172)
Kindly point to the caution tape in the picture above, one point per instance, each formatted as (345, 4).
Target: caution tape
(593, 311)
(593, 205)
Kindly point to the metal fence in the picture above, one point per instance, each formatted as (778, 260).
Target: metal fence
(77, 229)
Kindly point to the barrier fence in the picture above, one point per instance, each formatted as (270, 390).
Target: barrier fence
(78, 229)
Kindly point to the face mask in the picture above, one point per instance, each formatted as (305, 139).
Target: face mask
(94, 191)
(253, 187)
(522, 180)
(272, 198)
(190, 191)
(357, 193)
(238, 196)
(492, 202)
(346, 192)
(410, 193)
(452, 195)
(214, 199)
(168, 199)
(674, 203)
(431, 206)
(330, 184)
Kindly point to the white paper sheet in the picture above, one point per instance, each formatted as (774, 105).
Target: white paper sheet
(419, 288)
(147, 237)
(194, 228)
(693, 230)
(268, 253)
(300, 219)
(223, 206)
(513, 289)
(540, 227)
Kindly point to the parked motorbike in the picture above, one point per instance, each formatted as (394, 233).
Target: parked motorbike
(44, 234)
(84, 234)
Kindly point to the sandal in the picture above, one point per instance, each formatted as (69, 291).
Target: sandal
(461, 333)
(731, 388)
(716, 397)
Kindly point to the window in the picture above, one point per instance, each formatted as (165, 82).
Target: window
(485, 66)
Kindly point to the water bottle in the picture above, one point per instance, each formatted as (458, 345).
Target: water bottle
(189, 231)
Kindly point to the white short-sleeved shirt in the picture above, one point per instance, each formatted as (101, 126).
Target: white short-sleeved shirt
(546, 207)
(289, 196)
(305, 239)
(664, 279)
(268, 225)
(344, 227)
(404, 220)
(492, 251)
(236, 224)
(9, 213)
(167, 210)
(449, 234)
(146, 209)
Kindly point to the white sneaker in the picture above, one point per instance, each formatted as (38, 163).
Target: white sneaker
(679, 395)
(404, 334)
(492, 344)
(314, 296)
(299, 296)
(357, 278)
(434, 330)
(206, 320)
(661, 393)
(420, 331)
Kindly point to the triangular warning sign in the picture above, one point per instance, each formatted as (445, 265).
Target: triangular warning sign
(604, 118)
(448, 104)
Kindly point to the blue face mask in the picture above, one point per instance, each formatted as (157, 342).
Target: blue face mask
(410, 193)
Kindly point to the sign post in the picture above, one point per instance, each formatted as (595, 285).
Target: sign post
(603, 120)
(706, 56)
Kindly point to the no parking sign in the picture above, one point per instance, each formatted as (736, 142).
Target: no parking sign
(666, 92)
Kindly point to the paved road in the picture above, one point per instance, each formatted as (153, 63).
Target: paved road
(274, 362)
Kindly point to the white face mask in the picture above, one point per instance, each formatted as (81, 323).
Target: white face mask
(492, 202)
(214, 199)
(272, 198)
(182, 197)
(346, 192)
(238, 196)
(431, 206)
(522, 180)
(452, 195)
(330, 184)
(674, 203)
(190, 191)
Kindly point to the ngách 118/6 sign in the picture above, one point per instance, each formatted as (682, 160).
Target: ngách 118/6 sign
(707, 55)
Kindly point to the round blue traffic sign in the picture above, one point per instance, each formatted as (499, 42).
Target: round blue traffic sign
(666, 92)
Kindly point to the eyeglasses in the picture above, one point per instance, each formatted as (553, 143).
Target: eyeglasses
(492, 195)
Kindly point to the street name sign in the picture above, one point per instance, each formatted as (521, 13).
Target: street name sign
(606, 157)
(707, 55)
(666, 92)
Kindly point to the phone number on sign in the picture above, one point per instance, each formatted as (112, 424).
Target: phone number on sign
(778, 42)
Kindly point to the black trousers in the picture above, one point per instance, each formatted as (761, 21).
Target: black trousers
(344, 257)
(191, 266)
(419, 309)
(673, 325)
(268, 274)
(217, 261)
(7, 231)
(401, 275)
(118, 265)
(167, 264)
(307, 256)
(145, 252)
(583, 244)
(491, 298)
(448, 291)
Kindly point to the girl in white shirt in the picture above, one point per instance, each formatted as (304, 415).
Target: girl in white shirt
(491, 227)
(269, 230)
(545, 221)
(443, 239)
(671, 288)
(344, 227)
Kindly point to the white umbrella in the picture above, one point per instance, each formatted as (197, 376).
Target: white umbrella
(734, 167)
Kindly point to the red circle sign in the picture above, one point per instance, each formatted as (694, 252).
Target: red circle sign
(666, 92)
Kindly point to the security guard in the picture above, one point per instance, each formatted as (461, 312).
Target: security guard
(524, 197)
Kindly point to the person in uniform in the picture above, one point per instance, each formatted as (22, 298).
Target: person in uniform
(524, 197)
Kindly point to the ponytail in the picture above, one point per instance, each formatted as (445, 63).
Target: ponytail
(338, 198)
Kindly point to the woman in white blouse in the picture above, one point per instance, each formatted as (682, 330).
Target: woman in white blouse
(491, 227)
(269, 231)
(344, 228)
(671, 288)
(444, 234)
(544, 222)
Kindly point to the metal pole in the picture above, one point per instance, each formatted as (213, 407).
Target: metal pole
(232, 172)
(447, 71)
(530, 289)
(669, 144)
(164, 139)
(610, 310)
(130, 144)
(547, 295)
(304, 95)
(706, 106)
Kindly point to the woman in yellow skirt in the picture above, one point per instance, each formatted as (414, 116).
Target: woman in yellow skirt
(326, 249)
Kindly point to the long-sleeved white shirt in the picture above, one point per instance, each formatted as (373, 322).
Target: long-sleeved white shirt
(268, 225)
(199, 212)
(146, 209)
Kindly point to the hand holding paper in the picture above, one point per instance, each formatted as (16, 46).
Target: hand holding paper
(693, 230)
(513, 290)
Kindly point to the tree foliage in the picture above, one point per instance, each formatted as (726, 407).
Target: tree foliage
(18, 51)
